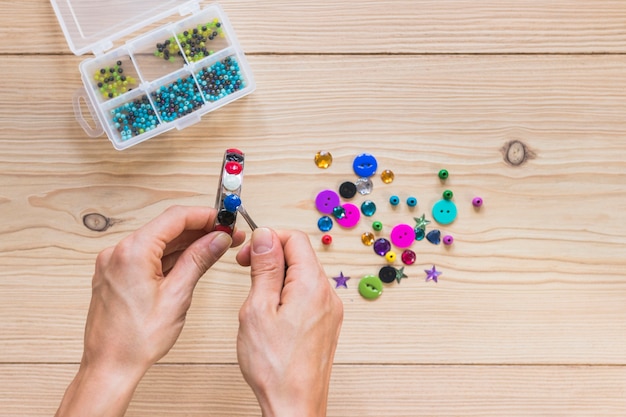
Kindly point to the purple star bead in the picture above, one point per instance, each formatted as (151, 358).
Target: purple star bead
(432, 274)
(341, 281)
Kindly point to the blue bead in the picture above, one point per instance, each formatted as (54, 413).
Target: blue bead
(411, 201)
(325, 223)
(394, 200)
(232, 202)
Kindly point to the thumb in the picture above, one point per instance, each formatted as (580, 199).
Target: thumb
(198, 258)
(267, 268)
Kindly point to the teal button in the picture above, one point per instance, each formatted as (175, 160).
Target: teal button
(444, 212)
(370, 287)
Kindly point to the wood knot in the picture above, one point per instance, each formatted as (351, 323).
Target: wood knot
(516, 153)
(97, 222)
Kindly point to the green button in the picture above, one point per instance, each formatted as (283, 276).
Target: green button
(444, 212)
(370, 287)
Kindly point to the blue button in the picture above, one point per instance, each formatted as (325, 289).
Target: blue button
(365, 165)
(444, 211)
(232, 202)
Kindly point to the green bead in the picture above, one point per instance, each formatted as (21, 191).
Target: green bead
(447, 195)
(443, 174)
(370, 287)
(378, 226)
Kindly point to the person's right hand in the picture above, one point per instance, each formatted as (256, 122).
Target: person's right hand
(288, 326)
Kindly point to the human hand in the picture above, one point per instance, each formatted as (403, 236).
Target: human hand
(142, 289)
(288, 326)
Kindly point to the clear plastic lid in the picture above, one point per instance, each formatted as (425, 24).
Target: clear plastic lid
(93, 25)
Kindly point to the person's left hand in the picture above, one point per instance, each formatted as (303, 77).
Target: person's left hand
(141, 292)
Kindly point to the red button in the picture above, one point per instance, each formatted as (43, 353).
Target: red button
(234, 150)
(222, 228)
(233, 168)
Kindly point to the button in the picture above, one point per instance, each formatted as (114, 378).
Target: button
(420, 233)
(443, 174)
(347, 190)
(352, 217)
(368, 208)
(391, 256)
(370, 287)
(326, 201)
(364, 186)
(402, 235)
(382, 246)
(408, 257)
(394, 200)
(365, 165)
(448, 240)
(323, 159)
(325, 223)
(411, 201)
(387, 274)
(233, 168)
(231, 182)
(368, 238)
(444, 211)
(327, 240)
(448, 194)
(226, 218)
(434, 237)
(232, 202)
(222, 228)
(234, 155)
(387, 176)
(477, 202)
(377, 226)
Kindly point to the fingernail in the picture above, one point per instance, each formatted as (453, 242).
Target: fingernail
(220, 243)
(262, 240)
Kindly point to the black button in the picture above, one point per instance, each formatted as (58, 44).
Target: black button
(234, 157)
(347, 189)
(387, 274)
(225, 217)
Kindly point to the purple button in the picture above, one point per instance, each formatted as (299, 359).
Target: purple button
(352, 216)
(326, 201)
(402, 235)
(382, 246)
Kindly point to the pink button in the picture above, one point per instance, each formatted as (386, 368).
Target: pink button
(352, 217)
(326, 201)
(402, 235)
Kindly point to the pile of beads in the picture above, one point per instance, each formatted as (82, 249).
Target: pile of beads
(177, 99)
(112, 81)
(221, 79)
(193, 43)
(134, 118)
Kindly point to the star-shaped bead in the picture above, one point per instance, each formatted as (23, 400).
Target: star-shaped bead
(400, 274)
(341, 281)
(421, 222)
(432, 274)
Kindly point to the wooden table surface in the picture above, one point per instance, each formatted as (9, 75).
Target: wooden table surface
(524, 102)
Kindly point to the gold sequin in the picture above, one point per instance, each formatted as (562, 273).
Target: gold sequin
(368, 238)
(323, 159)
(387, 176)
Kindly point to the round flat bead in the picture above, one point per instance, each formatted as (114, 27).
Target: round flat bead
(477, 202)
(233, 167)
(352, 217)
(370, 287)
(325, 223)
(364, 186)
(231, 182)
(226, 218)
(387, 176)
(434, 237)
(326, 201)
(339, 212)
(378, 226)
(365, 165)
(408, 257)
(411, 201)
(232, 202)
(223, 228)
(368, 238)
(347, 190)
(382, 246)
(327, 240)
(387, 274)
(447, 195)
(444, 211)
(402, 235)
(443, 174)
(323, 159)
(420, 233)
(394, 200)
(391, 256)
(448, 240)
(368, 208)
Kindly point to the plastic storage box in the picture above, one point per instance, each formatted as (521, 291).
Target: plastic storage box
(166, 78)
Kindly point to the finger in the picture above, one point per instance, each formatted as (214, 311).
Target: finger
(267, 268)
(187, 237)
(168, 261)
(197, 259)
(243, 256)
(304, 273)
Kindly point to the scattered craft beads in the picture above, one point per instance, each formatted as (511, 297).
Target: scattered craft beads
(377, 226)
(477, 202)
(447, 195)
(448, 240)
(368, 208)
(394, 200)
(327, 239)
(411, 201)
(325, 223)
(193, 42)
(112, 81)
(387, 176)
(408, 257)
(391, 256)
(368, 238)
(134, 118)
(323, 160)
(221, 79)
(364, 186)
(443, 174)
